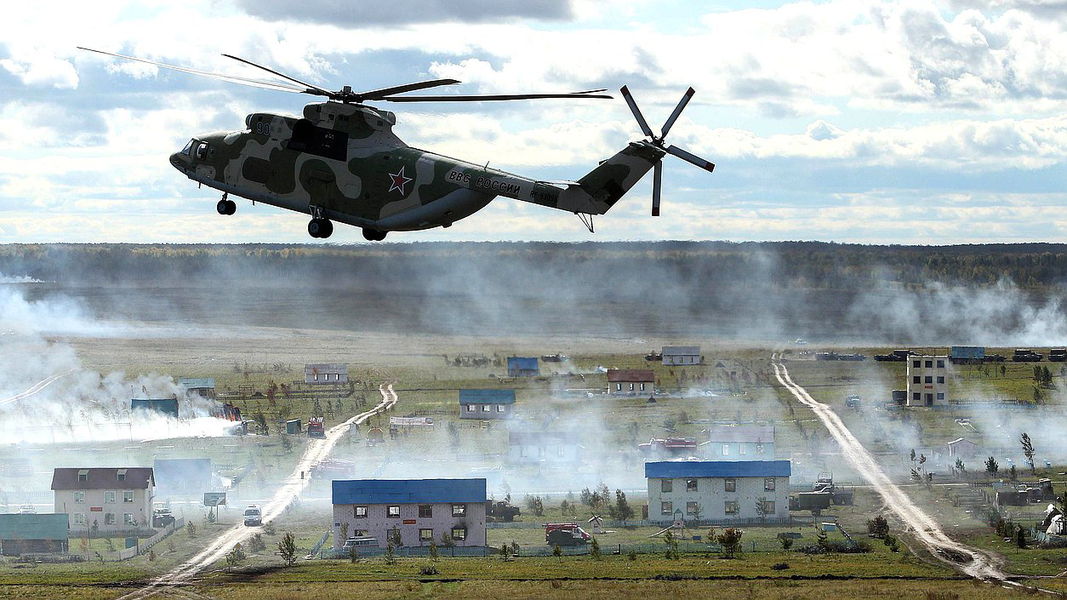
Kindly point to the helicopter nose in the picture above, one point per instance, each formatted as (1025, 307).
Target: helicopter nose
(179, 161)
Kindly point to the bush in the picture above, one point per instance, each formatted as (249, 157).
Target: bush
(837, 547)
(190, 528)
(786, 542)
(632, 554)
(878, 527)
(268, 528)
(256, 543)
(430, 569)
(891, 543)
(780, 566)
(730, 540)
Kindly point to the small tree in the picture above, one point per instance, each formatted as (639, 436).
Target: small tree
(344, 532)
(730, 540)
(991, 466)
(447, 541)
(390, 553)
(287, 444)
(1028, 452)
(1012, 473)
(256, 543)
(210, 518)
(822, 540)
(353, 554)
(557, 551)
(235, 557)
(594, 549)
(762, 508)
(672, 545)
(433, 550)
(505, 552)
(623, 511)
(786, 542)
(960, 467)
(190, 528)
(878, 527)
(1020, 537)
(287, 549)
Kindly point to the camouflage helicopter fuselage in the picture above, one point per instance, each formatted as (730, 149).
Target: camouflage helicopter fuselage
(342, 162)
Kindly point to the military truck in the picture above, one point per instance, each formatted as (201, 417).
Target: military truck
(825, 483)
(500, 512)
(1026, 355)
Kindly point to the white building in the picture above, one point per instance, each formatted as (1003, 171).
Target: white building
(927, 381)
(546, 447)
(718, 491)
(114, 500)
(682, 355)
(739, 442)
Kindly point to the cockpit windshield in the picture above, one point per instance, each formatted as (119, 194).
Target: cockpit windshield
(188, 147)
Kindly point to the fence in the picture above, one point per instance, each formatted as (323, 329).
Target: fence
(778, 521)
(146, 545)
(684, 547)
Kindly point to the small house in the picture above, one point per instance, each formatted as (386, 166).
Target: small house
(322, 373)
(106, 500)
(486, 404)
(682, 355)
(631, 382)
(523, 366)
(533, 447)
(204, 386)
(962, 448)
(410, 512)
(30, 533)
(165, 406)
(739, 442)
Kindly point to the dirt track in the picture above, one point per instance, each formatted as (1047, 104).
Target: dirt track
(290, 489)
(972, 561)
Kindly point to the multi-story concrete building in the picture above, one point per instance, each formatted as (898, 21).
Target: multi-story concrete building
(927, 381)
(735, 491)
(105, 500)
(631, 382)
(486, 404)
(682, 356)
(739, 442)
(410, 512)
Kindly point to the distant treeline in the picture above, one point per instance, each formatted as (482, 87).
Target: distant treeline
(700, 265)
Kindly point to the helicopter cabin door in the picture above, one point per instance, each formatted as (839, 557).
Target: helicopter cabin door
(321, 185)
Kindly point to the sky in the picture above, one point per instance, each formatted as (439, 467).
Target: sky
(855, 121)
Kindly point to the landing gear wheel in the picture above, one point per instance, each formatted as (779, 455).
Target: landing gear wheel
(373, 235)
(320, 228)
(226, 207)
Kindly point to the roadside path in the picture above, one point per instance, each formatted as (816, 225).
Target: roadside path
(35, 388)
(290, 489)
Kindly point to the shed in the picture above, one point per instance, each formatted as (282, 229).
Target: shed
(962, 448)
(682, 355)
(325, 373)
(203, 386)
(523, 366)
(166, 406)
(631, 382)
(292, 426)
(486, 404)
(21, 533)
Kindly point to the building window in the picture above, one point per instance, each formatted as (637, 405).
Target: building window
(500, 408)
(83, 475)
(940, 364)
(768, 507)
(459, 510)
(618, 387)
(692, 508)
(425, 511)
(916, 396)
(726, 449)
(485, 408)
(666, 485)
(359, 533)
(929, 364)
(731, 484)
(631, 387)
(522, 451)
(109, 518)
(127, 495)
(642, 387)
(742, 450)
(426, 535)
(941, 379)
(470, 408)
(359, 512)
(127, 519)
(393, 512)
(731, 507)
(941, 395)
(109, 497)
(916, 379)
(690, 485)
(79, 518)
(768, 484)
(459, 533)
(929, 379)
(759, 448)
(121, 474)
(79, 496)
(916, 363)
(666, 508)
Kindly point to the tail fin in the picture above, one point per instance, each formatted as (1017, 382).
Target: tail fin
(601, 188)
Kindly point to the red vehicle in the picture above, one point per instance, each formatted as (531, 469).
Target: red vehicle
(672, 446)
(566, 534)
(316, 427)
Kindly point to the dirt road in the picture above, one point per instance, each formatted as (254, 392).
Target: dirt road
(35, 388)
(290, 489)
(972, 561)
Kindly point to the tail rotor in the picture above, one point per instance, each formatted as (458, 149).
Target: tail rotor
(657, 175)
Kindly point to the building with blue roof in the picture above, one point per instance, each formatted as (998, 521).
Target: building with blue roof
(410, 512)
(486, 404)
(718, 491)
(32, 533)
(523, 366)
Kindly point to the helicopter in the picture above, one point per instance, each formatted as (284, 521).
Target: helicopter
(341, 162)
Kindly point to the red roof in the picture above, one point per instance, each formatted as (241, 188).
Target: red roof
(135, 478)
(630, 375)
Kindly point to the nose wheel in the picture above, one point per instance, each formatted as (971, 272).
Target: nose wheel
(225, 206)
(320, 228)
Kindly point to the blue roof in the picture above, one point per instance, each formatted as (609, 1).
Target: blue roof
(523, 363)
(671, 469)
(487, 396)
(33, 527)
(408, 491)
(164, 405)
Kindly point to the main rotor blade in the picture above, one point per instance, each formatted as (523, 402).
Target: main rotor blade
(636, 111)
(657, 179)
(490, 97)
(270, 85)
(402, 89)
(311, 89)
(691, 158)
(677, 111)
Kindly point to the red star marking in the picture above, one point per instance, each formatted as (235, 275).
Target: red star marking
(399, 181)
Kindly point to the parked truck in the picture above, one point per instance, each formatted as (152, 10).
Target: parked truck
(565, 534)
(316, 427)
(825, 483)
(1026, 355)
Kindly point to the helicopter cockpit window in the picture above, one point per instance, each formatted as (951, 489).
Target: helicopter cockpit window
(188, 148)
(201, 150)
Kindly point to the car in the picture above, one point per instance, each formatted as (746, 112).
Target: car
(253, 517)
